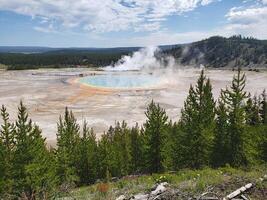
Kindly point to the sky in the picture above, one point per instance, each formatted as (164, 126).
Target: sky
(119, 23)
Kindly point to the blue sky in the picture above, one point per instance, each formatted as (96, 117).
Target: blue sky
(110, 23)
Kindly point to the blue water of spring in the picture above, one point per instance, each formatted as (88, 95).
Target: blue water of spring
(121, 80)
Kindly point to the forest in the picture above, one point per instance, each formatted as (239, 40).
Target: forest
(228, 131)
(19, 61)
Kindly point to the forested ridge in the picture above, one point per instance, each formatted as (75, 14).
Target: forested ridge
(229, 131)
(232, 52)
(217, 52)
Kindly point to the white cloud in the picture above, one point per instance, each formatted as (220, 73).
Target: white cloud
(249, 21)
(164, 38)
(103, 15)
(48, 29)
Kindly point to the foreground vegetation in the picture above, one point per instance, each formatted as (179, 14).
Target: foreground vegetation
(190, 183)
(231, 131)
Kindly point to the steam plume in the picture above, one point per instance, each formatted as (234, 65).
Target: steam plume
(145, 58)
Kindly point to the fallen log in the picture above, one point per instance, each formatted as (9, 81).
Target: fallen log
(238, 191)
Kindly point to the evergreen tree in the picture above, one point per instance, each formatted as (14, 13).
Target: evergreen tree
(252, 110)
(122, 148)
(105, 157)
(67, 142)
(41, 172)
(263, 108)
(263, 144)
(87, 156)
(235, 98)
(29, 164)
(174, 143)
(114, 151)
(155, 129)
(136, 150)
(221, 147)
(2, 171)
(197, 125)
(7, 144)
(263, 114)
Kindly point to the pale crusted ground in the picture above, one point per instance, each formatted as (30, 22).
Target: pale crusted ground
(47, 92)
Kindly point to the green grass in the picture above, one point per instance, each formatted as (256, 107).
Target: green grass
(224, 181)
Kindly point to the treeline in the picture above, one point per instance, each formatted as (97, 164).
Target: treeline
(230, 131)
(19, 61)
(219, 52)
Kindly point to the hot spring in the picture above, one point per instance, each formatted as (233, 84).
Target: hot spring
(121, 81)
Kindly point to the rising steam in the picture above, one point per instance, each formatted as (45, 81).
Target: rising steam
(144, 59)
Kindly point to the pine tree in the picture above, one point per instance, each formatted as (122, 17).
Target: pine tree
(197, 125)
(67, 142)
(22, 154)
(155, 132)
(263, 114)
(114, 149)
(220, 155)
(122, 148)
(2, 171)
(235, 98)
(41, 171)
(87, 156)
(174, 144)
(29, 163)
(105, 156)
(136, 150)
(252, 110)
(263, 108)
(263, 144)
(7, 146)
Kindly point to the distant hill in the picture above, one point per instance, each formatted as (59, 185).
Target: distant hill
(42, 57)
(235, 51)
(25, 49)
(215, 52)
(50, 50)
(75, 50)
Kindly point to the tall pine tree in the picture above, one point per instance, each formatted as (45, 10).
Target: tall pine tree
(136, 150)
(30, 166)
(7, 146)
(197, 125)
(155, 132)
(263, 114)
(67, 142)
(221, 148)
(235, 99)
(87, 156)
(263, 108)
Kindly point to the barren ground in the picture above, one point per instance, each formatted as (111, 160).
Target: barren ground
(46, 92)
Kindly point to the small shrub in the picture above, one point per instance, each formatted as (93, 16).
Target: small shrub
(103, 188)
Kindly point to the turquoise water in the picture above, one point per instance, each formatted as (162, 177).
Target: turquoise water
(120, 81)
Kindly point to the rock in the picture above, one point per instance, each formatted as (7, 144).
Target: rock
(155, 194)
(159, 189)
(122, 197)
(114, 179)
(140, 197)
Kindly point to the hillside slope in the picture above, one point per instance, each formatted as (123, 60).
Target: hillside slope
(182, 185)
(222, 52)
